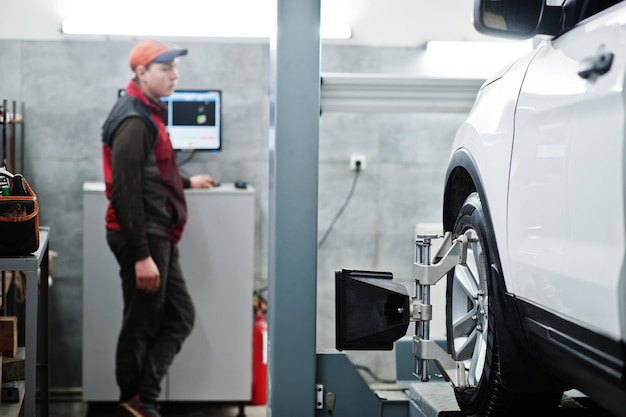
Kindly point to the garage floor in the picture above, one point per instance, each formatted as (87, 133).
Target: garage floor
(80, 409)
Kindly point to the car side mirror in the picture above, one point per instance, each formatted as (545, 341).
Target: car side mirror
(517, 19)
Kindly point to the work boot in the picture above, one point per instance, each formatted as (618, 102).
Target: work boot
(150, 410)
(130, 408)
(137, 408)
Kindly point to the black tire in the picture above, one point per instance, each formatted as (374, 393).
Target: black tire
(471, 330)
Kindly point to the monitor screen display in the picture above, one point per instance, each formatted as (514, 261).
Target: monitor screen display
(194, 119)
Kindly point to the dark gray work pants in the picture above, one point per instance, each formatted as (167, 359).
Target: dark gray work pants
(155, 325)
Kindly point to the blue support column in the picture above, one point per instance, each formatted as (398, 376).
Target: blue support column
(293, 139)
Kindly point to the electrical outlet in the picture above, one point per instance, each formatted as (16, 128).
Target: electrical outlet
(357, 159)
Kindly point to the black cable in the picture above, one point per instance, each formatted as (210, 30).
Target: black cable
(332, 223)
(343, 207)
(189, 158)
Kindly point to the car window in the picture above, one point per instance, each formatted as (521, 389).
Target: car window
(592, 7)
(575, 11)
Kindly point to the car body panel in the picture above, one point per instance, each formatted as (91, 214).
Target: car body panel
(487, 135)
(566, 239)
(544, 148)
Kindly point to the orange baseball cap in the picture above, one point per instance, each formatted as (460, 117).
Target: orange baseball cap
(151, 50)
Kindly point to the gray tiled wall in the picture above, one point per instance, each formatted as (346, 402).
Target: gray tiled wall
(68, 88)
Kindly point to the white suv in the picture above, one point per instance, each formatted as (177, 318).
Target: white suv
(538, 175)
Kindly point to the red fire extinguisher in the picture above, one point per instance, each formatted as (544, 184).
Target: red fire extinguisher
(259, 354)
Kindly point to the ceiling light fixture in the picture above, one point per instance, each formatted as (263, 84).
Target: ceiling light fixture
(185, 29)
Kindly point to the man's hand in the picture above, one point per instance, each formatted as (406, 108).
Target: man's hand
(147, 275)
(201, 181)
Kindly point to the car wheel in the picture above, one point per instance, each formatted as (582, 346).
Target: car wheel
(471, 330)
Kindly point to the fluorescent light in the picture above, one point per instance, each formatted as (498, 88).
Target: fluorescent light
(146, 28)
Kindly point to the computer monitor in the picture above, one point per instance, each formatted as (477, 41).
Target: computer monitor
(194, 119)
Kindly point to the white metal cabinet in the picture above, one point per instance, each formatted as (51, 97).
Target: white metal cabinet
(217, 257)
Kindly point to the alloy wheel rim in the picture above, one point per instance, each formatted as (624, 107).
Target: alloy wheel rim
(469, 310)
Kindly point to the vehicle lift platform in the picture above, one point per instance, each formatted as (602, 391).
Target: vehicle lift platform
(342, 391)
(364, 322)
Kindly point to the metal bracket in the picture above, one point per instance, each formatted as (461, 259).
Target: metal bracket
(453, 251)
(451, 370)
(319, 396)
(420, 311)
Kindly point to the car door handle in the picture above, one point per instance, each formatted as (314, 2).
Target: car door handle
(598, 64)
